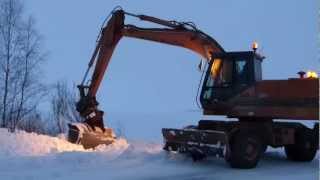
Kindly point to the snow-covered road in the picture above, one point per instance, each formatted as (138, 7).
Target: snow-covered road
(32, 156)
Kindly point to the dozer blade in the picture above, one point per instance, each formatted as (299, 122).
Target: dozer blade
(81, 133)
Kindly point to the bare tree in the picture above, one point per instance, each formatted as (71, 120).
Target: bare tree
(34, 123)
(10, 13)
(20, 63)
(29, 84)
(63, 105)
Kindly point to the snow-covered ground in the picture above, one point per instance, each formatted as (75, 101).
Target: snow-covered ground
(31, 156)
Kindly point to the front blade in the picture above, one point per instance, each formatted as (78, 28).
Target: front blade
(209, 142)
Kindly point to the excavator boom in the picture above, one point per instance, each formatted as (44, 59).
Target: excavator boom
(177, 35)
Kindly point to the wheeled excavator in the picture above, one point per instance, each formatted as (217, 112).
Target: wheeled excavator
(232, 86)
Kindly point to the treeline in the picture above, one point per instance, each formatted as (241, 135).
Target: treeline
(22, 90)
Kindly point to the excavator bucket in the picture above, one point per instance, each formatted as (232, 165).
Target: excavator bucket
(82, 133)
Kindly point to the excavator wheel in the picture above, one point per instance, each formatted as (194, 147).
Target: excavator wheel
(304, 148)
(246, 149)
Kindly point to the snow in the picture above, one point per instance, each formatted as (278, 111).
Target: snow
(32, 156)
(32, 144)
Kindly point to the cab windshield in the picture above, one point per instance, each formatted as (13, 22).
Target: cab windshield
(223, 72)
(220, 73)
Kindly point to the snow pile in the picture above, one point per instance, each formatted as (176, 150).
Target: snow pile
(32, 144)
(115, 149)
(32, 156)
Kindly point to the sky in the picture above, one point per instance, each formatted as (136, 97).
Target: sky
(151, 77)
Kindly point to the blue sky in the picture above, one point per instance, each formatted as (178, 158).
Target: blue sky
(147, 76)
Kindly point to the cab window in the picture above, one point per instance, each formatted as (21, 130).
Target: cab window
(241, 69)
(221, 73)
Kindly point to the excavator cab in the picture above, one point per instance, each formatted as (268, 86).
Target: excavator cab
(227, 75)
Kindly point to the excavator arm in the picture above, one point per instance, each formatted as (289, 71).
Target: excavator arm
(175, 33)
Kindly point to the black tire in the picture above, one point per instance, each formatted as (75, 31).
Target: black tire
(246, 150)
(305, 147)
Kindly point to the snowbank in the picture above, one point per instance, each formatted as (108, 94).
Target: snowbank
(32, 156)
(32, 144)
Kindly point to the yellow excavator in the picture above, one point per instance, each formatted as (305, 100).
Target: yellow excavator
(232, 86)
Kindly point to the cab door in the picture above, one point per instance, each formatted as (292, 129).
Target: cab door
(242, 73)
(227, 75)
